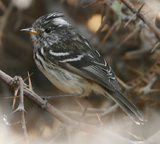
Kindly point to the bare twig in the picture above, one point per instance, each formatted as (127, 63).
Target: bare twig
(80, 105)
(29, 81)
(92, 3)
(127, 87)
(135, 70)
(130, 35)
(110, 136)
(85, 109)
(129, 20)
(156, 45)
(144, 79)
(99, 119)
(142, 17)
(133, 16)
(133, 135)
(109, 111)
(147, 88)
(4, 19)
(21, 108)
(14, 98)
(108, 34)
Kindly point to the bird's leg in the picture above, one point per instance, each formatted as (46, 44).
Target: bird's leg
(85, 109)
(45, 104)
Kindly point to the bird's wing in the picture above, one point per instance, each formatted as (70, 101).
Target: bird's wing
(90, 65)
(81, 58)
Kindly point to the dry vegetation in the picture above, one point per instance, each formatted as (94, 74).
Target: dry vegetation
(126, 34)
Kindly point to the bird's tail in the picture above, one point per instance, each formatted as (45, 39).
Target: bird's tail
(135, 114)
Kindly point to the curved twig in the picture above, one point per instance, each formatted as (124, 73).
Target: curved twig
(110, 136)
(142, 17)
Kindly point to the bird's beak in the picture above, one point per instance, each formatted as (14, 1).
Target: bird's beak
(30, 30)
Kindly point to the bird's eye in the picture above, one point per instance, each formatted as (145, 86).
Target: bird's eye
(47, 30)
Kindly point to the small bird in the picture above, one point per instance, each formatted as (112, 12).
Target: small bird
(73, 65)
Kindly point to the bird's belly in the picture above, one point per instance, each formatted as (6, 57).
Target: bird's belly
(69, 82)
(66, 81)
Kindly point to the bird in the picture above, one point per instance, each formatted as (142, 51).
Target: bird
(73, 65)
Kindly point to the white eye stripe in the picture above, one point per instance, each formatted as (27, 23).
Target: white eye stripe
(60, 22)
(73, 59)
(58, 54)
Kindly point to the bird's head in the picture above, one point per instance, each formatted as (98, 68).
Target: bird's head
(50, 28)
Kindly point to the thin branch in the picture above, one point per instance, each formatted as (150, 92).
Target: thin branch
(137, 29)
(107, 35)
(143, 18)
(156, 45)
(110, 136)
(14, 98)
(147, 88)
(99, 119)
(93, 3)
(109, 111)
(4, 19)
(21, 108)
(129, 20)
(155, 69)
(29, 81)
(39, 101)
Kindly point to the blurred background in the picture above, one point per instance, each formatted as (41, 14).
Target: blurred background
(132, 52)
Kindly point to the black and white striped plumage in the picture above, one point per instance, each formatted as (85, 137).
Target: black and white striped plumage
(69, 61)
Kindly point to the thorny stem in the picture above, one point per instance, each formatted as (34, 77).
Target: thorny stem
(143, 18)
(21, 108)
(110, 136)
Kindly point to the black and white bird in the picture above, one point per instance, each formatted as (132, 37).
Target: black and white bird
(73, 65)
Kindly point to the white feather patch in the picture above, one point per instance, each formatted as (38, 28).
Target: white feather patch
(73, 59)
(58, 54)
